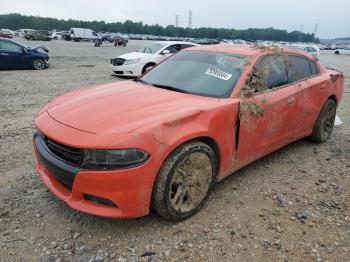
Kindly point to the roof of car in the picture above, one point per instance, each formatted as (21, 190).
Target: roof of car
(248, 50)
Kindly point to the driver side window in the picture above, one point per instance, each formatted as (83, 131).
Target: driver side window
(8, 46)
(173, 49)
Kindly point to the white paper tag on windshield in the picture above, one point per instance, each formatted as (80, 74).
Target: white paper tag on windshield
(218, 73)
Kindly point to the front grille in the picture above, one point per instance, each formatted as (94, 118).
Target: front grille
(117, 61)
(68, 154)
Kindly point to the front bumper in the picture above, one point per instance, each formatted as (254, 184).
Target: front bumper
(128, 190)
(133, 70)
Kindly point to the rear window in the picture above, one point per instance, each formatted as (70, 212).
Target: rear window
(313, 67)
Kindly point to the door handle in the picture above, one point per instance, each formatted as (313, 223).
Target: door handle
(290, 99)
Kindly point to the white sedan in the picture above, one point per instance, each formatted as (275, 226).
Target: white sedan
(136, 63)
(310, 49)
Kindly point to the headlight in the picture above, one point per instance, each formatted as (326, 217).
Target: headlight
(113, 159)
(132, 61)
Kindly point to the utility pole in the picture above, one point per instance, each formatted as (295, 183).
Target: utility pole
(176, 20)
(301, 33)
(190, 19)
(315, 30)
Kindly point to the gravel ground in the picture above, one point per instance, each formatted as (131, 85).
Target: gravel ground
(292, 205)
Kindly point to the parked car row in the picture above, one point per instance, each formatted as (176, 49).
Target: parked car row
(132, 64)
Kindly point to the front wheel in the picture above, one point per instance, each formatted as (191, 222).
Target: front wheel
(38, 64)
(325, 122)
(185, 181)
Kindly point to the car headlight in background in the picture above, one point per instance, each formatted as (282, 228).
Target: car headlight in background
(132, 61)
(113, 159)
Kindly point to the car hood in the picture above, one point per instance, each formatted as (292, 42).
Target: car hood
(37, 48)
(136, 55)
(123, 107)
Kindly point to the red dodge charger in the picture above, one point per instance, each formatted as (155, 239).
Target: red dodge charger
(161, 141)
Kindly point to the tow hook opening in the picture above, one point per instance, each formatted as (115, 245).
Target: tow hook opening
(100, 200)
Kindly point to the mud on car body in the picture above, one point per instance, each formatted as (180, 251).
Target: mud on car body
(161, 141)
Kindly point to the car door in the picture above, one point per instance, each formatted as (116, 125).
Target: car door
(270, 119)
(11, 55)
(315, 89)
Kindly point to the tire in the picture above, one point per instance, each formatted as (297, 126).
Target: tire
(337, 53)
(325, 122)
(38, 64)
(144, 70)
(182, 186)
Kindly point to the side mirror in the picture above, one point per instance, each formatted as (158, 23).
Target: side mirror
(165, 52)
(24, 50)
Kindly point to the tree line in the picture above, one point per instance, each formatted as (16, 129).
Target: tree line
(16, 21)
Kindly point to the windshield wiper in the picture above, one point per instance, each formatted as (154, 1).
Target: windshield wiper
(142, 81)
(171, 88)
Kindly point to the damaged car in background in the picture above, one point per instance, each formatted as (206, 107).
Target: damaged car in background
(42, 35)
(161, 141)
(16, 56)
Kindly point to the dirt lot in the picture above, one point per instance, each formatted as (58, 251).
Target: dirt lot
(293, 205)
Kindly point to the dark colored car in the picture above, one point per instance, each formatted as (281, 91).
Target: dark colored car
(43, 35)
(15, 56)
(5, 35)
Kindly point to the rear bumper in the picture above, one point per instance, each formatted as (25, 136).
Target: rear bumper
(121, 193)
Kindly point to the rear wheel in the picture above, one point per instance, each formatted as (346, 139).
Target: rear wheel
(337, 53)
(185, 181)
(38, 64)
(325, 122)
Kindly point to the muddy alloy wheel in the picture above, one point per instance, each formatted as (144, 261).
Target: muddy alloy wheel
(325, 122)
(185, 181)
(39, 64)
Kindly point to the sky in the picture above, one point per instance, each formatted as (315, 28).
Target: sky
(332, 17)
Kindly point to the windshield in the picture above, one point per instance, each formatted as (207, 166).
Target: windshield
(211, 74)
(152, 48)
